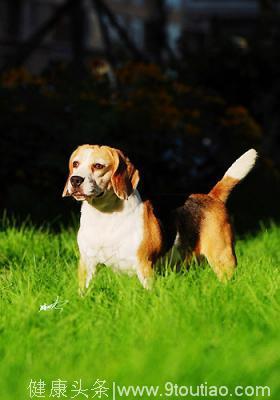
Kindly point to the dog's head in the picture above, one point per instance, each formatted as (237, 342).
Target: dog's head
(95, 171)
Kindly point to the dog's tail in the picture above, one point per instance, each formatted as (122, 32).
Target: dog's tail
(236, 172)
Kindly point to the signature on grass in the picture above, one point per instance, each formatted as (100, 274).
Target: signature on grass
(57, 305)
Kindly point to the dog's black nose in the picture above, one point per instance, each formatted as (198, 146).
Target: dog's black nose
(76, 181)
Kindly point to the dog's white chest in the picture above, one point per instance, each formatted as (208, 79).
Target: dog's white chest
(112, 238)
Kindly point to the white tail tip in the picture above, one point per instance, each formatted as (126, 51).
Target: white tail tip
(243, 165)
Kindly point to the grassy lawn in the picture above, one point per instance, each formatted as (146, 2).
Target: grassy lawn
(189, 329)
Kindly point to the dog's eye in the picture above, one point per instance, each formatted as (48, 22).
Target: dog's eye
(98, 166)
(75, 164)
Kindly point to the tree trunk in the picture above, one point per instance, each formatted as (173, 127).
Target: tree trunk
(155, 29)
(30, 45)
(105, 35)
(78, 36)
(123, 34)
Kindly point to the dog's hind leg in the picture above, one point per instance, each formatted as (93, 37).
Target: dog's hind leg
(145, 273)
(223, 262)
(217, 247)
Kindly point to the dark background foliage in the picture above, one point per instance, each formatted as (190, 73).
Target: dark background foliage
(181, 122)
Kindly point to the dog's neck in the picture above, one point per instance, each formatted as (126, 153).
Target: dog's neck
(111, 203)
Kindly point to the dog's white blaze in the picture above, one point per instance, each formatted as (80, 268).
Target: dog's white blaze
(84, 164)
(243, 165)
(111, 238)
(84, 170)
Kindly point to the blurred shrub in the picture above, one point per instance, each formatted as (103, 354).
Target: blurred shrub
(243, 69)
(180, 136)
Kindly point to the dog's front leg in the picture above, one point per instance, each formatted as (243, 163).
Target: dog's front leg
(85, 274)
(82, 276)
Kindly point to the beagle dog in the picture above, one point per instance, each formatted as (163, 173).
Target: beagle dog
(117, 228)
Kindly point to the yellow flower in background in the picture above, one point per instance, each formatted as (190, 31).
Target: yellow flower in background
(20, 76)
(125, 105)
(135, 72)
(193, 113)
(192, 129)
(39, 81)
(239, 117)
(104, 102)
(237, 111)
(20, 108)
(181, 88)
(88, 96)
(168, 114)
(15, 77)
(235, 116)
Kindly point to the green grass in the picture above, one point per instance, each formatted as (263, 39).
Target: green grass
(189, 329)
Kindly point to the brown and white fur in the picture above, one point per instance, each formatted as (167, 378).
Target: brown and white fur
(118, 229)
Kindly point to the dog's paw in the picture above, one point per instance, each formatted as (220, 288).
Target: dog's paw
(147, 283)
(81, 292)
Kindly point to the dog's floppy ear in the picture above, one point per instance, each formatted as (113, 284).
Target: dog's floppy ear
(125, 176)
(65, 192)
